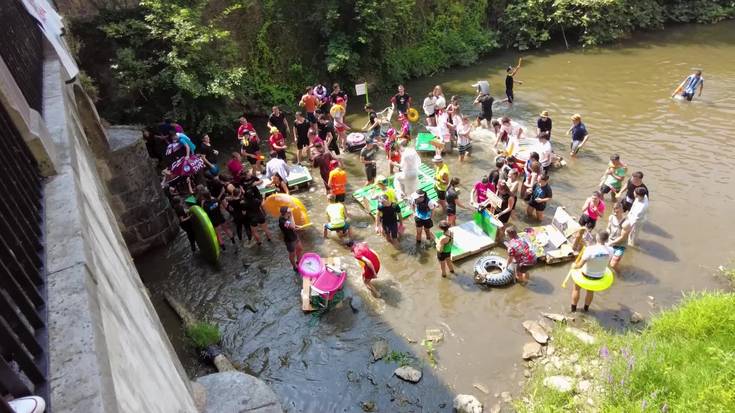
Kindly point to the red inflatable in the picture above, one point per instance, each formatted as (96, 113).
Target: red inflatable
(360, 251)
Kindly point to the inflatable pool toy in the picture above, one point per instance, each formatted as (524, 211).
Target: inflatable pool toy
(311, 265)
(490, 270)
(412, 115)
(272, 206)
(355, 141)
(361, 250)
(590, 284)
(335, 108)
(205, 235)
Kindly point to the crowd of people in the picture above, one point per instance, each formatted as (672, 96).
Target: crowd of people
(231, 197)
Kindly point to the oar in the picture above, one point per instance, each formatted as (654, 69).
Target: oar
(569, 274)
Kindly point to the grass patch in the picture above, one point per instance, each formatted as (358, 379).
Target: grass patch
(400, 358)
(203, 335)
(684, 361)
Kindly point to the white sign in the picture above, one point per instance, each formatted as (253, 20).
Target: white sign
(360, 89)
(50, 23)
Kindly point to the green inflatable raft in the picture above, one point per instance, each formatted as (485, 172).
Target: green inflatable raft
(205, 235)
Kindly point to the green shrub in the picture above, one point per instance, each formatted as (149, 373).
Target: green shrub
(203, 335)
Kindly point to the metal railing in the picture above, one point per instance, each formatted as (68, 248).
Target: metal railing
(21, 47)
(23, 333)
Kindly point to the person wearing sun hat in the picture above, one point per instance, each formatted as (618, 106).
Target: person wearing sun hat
(441, 180)
(543, 124)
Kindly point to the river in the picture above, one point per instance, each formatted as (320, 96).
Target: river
(622, 93)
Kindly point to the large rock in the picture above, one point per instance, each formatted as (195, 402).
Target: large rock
(238, 392)
(467, 403)
(557, 317)
(636, 317)
(537, 332)
(531, 350)
(379, 349)
(408, 373)
(582, 336)
(562, 384)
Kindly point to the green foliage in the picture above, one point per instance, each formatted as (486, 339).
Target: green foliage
(203, 335)
(683, 362)
(400, 358)
(203, 62)
(430, 352)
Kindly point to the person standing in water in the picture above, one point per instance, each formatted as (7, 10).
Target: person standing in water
(612, 181)
(401, 101)
(300, 133)
(637, 214)
(441, 180)
(388, 219)
(290, 237)
(593, 264)
(594, 208)
(520, 255)
(543, 124)
(579, 134)
(423, 208)
(453, 201)
(510, 72)
(361, 253)
(444, 248)
(619, 228)
(690, 85)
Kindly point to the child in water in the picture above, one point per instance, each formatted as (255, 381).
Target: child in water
(444, 249)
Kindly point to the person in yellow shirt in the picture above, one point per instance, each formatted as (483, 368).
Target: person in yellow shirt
(337, 181)
(382, 184)
(441, 180)
(337, 219)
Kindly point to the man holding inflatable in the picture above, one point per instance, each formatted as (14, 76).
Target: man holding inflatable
(593, 266)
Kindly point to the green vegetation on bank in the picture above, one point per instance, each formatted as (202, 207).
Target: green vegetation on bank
(203, 335)
(683, 361)
(203, 61)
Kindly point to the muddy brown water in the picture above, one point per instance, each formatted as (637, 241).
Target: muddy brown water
(622, 92)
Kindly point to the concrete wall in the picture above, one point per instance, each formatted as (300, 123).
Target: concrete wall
(108, 350)
(143, 212)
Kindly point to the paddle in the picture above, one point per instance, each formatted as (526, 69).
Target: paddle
(569, 274)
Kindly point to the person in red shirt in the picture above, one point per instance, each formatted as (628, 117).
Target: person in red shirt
(245, 129)
(234, 165)
(277, 143)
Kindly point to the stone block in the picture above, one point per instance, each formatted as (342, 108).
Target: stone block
(238, 392)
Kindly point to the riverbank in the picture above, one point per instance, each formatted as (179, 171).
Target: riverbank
(682, 361)
(200, 64)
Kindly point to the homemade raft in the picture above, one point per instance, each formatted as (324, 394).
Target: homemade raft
(368, 196)
(424, 142)
(322, 284)
(298, 176)
(553, 243)
(474, 236)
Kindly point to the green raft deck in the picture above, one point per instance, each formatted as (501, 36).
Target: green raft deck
(368, 195)
(473, 237)
(423, 142)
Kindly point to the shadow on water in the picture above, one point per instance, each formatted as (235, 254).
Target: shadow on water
(657, 250)
(653, 229)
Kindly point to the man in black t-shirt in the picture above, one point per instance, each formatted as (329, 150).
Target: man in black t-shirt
(301, 127)
(486, 108)
(543, 124)
(328, 134)
(510, 80)
(401, 101)
(338, 93)
(635, 182)
(388, 218)
(277, 119)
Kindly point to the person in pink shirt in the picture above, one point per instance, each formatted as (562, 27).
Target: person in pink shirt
(478, 196)
(594, 208)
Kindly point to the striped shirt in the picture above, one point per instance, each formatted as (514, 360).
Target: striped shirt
(692, 83)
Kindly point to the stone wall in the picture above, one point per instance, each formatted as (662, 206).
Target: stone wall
(108, 351)
(144, 215)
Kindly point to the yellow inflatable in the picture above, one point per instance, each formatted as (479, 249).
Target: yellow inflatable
(335, 108)
(272, 206)
(413, 115)
(591, 284)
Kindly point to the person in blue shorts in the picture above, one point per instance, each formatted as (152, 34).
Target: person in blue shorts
(690, 86)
